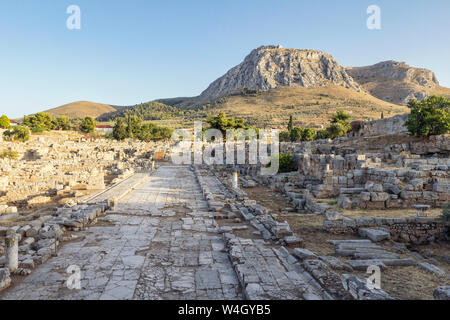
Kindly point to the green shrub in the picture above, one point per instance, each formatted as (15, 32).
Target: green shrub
(40, 119)
(445, 216)
(120, 131)
(37, 129)
(322, 134)
(296, 134)
(340, 116)
(9, 154)
(133, 127)
(429, 117)
(4, 122)
(284, 136)
(18, 133)
(338, 129)
(61, 123)
(88, 125)
(286, 163)
(308, 134)
(222, 123)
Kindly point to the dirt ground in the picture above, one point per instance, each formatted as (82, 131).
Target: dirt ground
(405, 283)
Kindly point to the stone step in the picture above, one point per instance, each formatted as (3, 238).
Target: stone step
(374, 234)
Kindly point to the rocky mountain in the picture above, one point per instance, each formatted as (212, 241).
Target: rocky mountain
(395, 82)
(309, 77)
(270, 67)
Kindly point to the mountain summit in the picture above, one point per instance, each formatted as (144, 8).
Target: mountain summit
(396, 82)
(269, 67)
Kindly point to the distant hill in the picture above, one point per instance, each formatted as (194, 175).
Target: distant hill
(273, 82)
(310, 107)
(397, 82)
(82, 109)
(153, 110)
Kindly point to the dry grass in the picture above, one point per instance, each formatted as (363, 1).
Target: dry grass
(389, 213)
(311, 107)
(81, 109)
(405, 283)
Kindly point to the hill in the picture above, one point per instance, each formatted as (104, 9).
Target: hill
(311, 107)
(152, 110)
(82, 109)
(397, 82)
(272, 83)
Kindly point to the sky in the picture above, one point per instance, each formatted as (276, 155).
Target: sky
(128, 52)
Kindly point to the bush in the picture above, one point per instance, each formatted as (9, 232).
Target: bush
(222, 123)
(61, 123)
(338, 129)
(8, 154)
(133, 126)
(37, 129)
(308, 134)
(88, 125)
(429, 117)
(322, 134)
(41, 119)
(120, 131)
(284, 136)
(446, 213)
(340, 116)
(4, 122)
(296, 134)
(302, 134)
(18, 133)
(286, 163)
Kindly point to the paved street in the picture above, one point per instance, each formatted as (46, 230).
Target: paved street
(157, 244)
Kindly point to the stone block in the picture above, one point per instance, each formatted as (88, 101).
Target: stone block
(374, 234)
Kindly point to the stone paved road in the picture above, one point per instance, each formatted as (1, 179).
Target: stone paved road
(157, 244)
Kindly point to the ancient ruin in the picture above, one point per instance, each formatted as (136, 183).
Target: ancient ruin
(129, 224)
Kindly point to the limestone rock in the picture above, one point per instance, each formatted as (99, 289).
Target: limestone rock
(269, 67)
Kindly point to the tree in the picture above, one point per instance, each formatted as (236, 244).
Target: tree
(445, 216)
(308, 134)
(284, 136)
(322, 134)
(4, 122)
(338, 129)
(18, 133)
(120, 131)
(340, 116)
(340, 125)
(147, 133)
(286, 163)
(61, 123)
(291, 123)
(222, 123)
(40, 119)
(296, 134)
(133, 125)
(88, 125)
(429, 117)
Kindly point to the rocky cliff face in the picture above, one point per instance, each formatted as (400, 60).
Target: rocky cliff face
(394, 81)
(269, 67)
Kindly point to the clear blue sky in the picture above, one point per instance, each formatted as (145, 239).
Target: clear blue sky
(133, 51)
